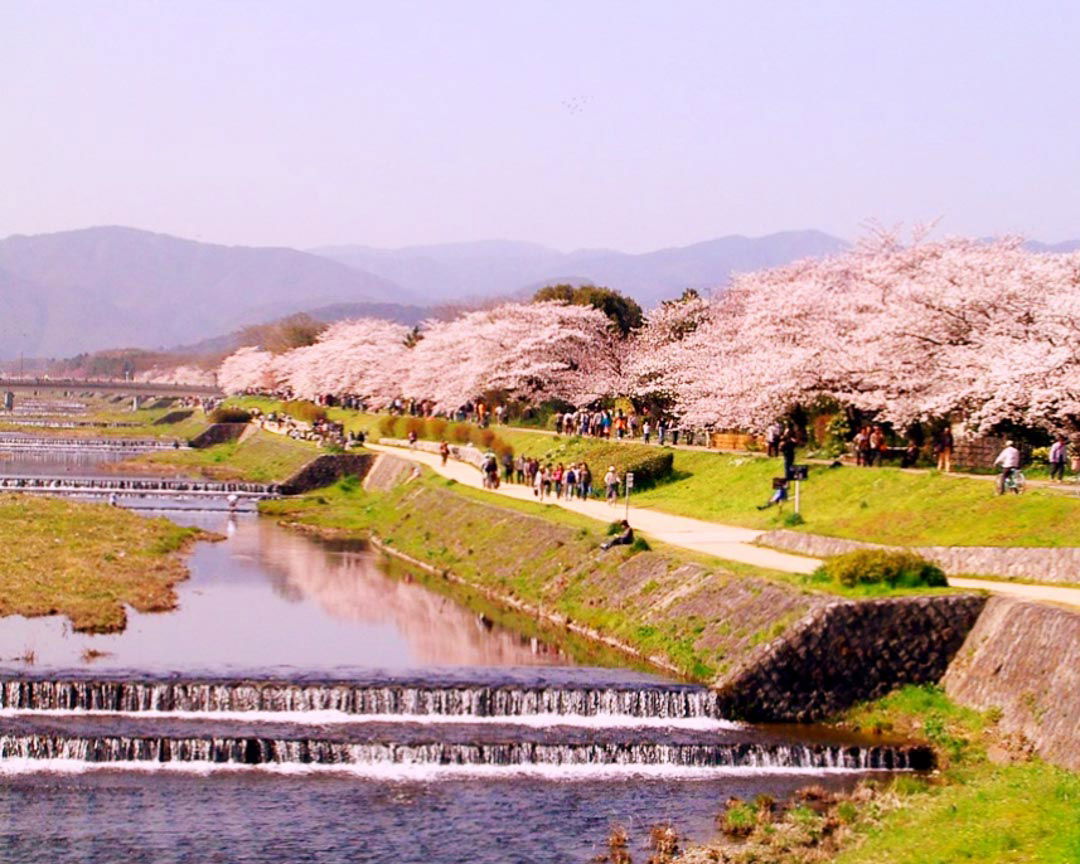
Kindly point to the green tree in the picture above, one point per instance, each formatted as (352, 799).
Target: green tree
(623, 311)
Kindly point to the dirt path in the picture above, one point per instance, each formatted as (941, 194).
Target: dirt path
(729, 542)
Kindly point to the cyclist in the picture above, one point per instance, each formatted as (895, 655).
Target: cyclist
(1009, 460)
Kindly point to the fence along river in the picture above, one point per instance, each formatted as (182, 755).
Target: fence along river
(295, 665)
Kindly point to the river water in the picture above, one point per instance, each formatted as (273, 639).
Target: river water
(306, 703)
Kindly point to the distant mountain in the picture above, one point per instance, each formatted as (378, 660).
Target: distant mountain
(504, 268)
(76, 291)
(408, 315)
(1063, 246)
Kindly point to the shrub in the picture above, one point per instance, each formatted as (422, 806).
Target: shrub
(436, 428)
(881, 567)
(229, 414)
(461, 433)
(414, 426)
(483, 438)
(304, 410)
(640, 544)
(651, 465)
(388, 426)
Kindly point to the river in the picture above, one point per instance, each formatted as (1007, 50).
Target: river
(306, 702)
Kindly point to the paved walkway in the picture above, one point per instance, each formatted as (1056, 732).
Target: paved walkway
(729, 542)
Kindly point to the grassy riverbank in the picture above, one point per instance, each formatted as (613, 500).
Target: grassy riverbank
(87, 561)
(687, 612)
(881, 505)
(262, 458)
(989, 802)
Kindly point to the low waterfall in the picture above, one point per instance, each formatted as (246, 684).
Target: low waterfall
(142, 486)
(464, 700)
(259, 751)
(23, 443)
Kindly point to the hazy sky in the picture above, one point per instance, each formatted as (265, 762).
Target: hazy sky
(584, 123)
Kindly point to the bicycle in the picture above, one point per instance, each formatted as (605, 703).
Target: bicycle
(1014, 482)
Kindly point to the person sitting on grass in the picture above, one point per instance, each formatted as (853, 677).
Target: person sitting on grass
(779, 496)
(624, 538)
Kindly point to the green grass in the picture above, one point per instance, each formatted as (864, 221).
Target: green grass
(991, 815)
(86, 561)
(1027, 811)
(881, 505)
(262, 458)
(1017, 810)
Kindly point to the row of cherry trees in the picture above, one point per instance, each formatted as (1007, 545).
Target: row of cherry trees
(529, 351)
(986, 331)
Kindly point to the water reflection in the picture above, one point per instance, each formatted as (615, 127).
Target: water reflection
(267, 597)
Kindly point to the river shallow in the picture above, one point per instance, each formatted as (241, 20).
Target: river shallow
(306, 703)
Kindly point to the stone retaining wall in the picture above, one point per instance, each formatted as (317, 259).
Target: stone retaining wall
(388, 471)
(218, 433)
(849, 651)
(1037, 564)
(1024, 659)
(324, 470)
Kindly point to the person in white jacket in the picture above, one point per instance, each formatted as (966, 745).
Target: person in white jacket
(1009, 460)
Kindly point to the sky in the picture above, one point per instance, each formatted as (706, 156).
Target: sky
(590, 123)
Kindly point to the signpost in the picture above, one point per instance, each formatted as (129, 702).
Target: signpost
(629, 486)
(799, 473)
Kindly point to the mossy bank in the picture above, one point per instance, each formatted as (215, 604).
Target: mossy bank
(87, 561)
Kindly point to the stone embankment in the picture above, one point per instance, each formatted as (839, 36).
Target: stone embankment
(324, 470)
(220, 433)
(1023, 659)
(848, 651)
(1034, 564)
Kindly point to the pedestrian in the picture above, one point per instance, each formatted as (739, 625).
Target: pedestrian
(862, 446)
(508, 465)
(877, 445)
(661, 431)
(584, 482)
(646, 430)
(787, 450)
(772, 439)
(557, 480)
(944, 449)
(1058, 452)
(570, 479)
(444, 452)
(519, 469)
(611, 484)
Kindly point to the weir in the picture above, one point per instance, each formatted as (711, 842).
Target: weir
(306, 751)
(48, 444)
(637, 726)
(460, 700)
(128, 486)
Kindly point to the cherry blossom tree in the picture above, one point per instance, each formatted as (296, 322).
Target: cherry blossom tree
(362, 358)
(248, 369)
(533, 351)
